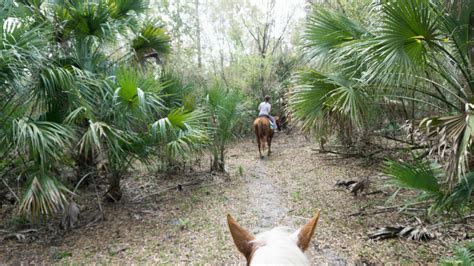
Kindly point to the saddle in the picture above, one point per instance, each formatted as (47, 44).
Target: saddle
(272, 126)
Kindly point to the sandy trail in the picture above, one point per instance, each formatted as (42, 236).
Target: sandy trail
(269, 200)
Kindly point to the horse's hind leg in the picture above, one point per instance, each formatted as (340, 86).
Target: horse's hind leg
(259, 148)
(269, 142)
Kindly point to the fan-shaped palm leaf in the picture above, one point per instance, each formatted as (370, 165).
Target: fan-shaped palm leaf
(420, 176)
(409, 31)
(43, 142)
(151, 41)
(182, 132)
(328, 30)
(121, 8)
(43, 195)
(317, 98)
(82, 19)
(139, 91)
(453, 138)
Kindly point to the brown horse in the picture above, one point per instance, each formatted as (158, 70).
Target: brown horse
(264, 133)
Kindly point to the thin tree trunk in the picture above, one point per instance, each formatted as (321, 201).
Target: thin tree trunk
(198, 35)
(471, 37)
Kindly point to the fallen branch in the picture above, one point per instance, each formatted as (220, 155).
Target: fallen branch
(384, 209)
(364, 155)
(11, 191)
(178, 187)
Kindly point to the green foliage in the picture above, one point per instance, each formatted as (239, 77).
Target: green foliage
(224, 107)
(425, 177)
(463, 256)
(420, 176)
(44, 195)
(412, 52)
(71, 95)
(324, 103)
(183, 132)
(43, 142)
(152, 37)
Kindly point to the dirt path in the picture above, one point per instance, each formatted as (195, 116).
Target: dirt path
(268, 199)
(189, 226)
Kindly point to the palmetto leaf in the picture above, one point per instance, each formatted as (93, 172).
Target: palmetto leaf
(151, 38)
(121, 8)
(101, 136)
(328, 30)
(84, 19)
(139, 91)
(175, 90)
(409, 31)
(43, 142)
(461, 194)
(420, 176)
(453, 138)
(224, 108)
(43, 195)
(182, 132)
(21, 52)
(412, 233)
(319, 99)
(463, 256)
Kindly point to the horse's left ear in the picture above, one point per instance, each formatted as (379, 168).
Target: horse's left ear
(242, 238)
(306, 232)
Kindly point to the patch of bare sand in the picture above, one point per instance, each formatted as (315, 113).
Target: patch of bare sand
(189, 226)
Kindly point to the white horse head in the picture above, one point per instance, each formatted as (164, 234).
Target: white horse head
(277, 246)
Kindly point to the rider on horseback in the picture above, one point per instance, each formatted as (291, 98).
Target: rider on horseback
(264, 110)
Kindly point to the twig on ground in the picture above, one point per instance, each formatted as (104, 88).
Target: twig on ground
(11, 191)
(384, 209)
(374, 192)
(177, 187)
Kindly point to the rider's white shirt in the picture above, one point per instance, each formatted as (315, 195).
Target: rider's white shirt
(264, 108)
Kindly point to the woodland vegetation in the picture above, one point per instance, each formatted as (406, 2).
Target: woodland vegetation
(93, 90)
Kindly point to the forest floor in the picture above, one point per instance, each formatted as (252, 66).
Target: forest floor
(155, 223)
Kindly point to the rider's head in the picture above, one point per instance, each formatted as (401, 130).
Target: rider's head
(267, 98)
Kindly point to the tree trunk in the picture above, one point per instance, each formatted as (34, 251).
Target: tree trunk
(471, 37)
(198, 35)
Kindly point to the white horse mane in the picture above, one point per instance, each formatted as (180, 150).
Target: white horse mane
(278, 246)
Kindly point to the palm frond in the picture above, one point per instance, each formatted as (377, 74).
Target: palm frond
(463, 256)
(43, 196)
(408, 33)
(452, 136)
(139, 91)
(182, 132)
(122, 8)
(461, 194)
(151, 41)
(419, 176)
(99, 134)
(319, 98)
(22, 50)
(84, 19)
(328, 30)
(43, 142)
(175, 91)
(225, 111)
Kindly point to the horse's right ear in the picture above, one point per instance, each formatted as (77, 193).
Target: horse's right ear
(242, 238)
(306, 232)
